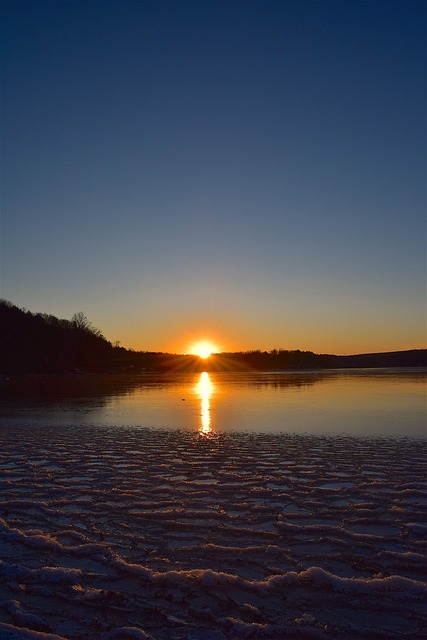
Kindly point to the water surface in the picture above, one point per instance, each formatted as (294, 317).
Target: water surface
(351, 402)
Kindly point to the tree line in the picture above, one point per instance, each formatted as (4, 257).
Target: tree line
(39, 343)
(43, 343)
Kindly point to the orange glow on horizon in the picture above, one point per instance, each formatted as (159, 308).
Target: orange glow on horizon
(181, 337)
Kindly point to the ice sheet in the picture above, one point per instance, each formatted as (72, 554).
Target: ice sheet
(122, 533)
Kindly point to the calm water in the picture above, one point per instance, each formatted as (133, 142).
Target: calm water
(352, 402)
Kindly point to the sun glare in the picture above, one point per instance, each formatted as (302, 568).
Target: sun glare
(203, 349)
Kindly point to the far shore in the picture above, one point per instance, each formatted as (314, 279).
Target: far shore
(273, 361)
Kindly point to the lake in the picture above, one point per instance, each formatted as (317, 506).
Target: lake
(214, 506)
(358, 402)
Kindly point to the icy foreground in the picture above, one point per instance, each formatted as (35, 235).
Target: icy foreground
(127, 534)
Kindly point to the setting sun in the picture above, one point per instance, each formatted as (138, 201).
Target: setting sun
(203, 349)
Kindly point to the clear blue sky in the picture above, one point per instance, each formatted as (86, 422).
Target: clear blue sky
(249, 172)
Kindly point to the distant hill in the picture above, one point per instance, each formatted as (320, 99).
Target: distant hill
(412, 358)
(43, 344)
(282, 360)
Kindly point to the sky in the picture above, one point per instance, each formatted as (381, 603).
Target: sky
(250, 172)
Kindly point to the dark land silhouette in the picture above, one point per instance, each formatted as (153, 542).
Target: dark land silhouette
(38, 343)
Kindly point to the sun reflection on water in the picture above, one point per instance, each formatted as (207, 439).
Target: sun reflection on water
(205, 389)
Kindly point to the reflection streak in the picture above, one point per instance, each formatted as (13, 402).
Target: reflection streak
(205, 389)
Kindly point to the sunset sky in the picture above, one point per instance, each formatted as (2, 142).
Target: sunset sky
(247, 172)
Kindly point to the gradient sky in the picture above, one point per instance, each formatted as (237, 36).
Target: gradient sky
(250, 172)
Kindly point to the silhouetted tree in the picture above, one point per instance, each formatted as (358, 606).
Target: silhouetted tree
(80, 321)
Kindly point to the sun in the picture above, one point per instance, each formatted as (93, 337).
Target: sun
(203, 349)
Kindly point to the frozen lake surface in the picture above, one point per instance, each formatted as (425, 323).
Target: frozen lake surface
(121, 532)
